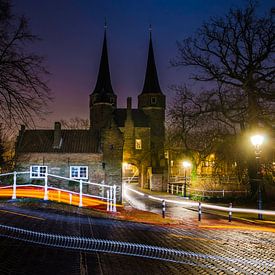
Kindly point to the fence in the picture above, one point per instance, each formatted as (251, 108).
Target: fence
(18, 180)
(230, 210)
(179, 189)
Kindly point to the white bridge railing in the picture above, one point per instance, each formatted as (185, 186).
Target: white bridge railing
(178, 189)
(109, 196)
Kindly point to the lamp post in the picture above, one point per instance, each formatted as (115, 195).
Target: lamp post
(185, 164)
(257, 141)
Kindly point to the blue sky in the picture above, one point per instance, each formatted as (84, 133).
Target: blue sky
(72, 33)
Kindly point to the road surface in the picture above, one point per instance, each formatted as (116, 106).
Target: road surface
(215, 249)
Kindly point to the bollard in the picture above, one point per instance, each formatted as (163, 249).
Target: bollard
(163, 208)
(172, 191)
(230, 213)
(199, 213)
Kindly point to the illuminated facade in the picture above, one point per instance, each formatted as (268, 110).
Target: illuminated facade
(120, 142)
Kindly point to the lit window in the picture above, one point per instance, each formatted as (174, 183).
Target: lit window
(79, 172)
(38, 172)
(138, 144)
(153, 100)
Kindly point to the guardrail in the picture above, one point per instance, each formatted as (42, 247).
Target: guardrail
(110, 197)
(201, 206)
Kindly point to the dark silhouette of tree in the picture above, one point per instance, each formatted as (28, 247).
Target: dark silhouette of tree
(199, 130)
(236, 52)
(75, 123)
(24, 93)
(2, 151)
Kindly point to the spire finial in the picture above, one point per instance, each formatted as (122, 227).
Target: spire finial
(105, 23)
(150, 30)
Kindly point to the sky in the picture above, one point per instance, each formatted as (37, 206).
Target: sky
(72, 36)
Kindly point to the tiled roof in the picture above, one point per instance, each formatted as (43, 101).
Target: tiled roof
(139, 117)
(151, 82)
(73, 141)
(103, 85)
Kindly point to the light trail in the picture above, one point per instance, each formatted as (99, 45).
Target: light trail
(138, 250)
(204, 205)
(54, 194)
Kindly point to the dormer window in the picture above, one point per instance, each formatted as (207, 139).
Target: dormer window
(153, 100)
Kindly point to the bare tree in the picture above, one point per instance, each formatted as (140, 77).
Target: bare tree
(24, 93)
(197, 126)
(75, 123)
(235, 52)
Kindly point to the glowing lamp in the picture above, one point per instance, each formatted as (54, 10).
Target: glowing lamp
(257, 140)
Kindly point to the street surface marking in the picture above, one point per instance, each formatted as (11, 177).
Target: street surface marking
(24, 215)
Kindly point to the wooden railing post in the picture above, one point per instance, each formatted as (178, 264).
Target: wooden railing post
(114, 200)
(46, 187)
(108, 200)
(80, 194)
(14, 186)
(111, 199)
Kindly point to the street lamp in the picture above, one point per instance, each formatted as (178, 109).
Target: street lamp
(186, 165)
(257, 141)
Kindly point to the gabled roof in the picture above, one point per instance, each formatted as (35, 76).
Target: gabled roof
(151, 82)
(73, 141)
(139, 117)
(103, 84)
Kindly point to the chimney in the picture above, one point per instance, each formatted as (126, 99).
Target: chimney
(129, 103)
(57, 140)
(129, 109)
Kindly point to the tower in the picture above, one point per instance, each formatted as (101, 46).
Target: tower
(152, 102)
(103, 99)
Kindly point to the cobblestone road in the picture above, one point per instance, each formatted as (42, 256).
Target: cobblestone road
(226, 251)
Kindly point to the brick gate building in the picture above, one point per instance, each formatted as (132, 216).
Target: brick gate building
(117, 138)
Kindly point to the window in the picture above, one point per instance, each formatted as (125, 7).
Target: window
(38, 172)
(138, 144)
(79, 172)
(153, 100)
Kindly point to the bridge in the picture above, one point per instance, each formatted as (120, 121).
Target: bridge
(51, 187)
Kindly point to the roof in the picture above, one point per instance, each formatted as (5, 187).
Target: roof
(103, 85)
(73, 141)
(151, 82)
(139, 117)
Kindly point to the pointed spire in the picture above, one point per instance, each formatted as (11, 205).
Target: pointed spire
(151, 82)
(103, 84)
